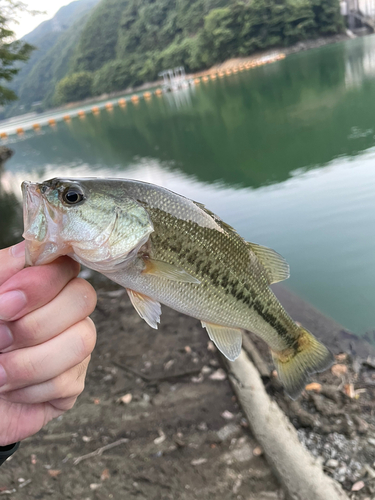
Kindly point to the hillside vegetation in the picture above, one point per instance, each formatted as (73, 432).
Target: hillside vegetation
(55, 41)
(128, 42)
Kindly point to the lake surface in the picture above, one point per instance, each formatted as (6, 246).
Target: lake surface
(285, 153)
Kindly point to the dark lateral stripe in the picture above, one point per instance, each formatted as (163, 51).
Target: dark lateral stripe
(274, 322)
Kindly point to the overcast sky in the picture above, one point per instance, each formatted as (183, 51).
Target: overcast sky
(28, 23)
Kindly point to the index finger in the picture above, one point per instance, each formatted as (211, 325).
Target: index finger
(12, 260)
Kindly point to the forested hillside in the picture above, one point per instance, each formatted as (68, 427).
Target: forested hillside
(55, 41)
(128, 42)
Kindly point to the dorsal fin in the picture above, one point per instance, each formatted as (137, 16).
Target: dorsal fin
(216, 218)
(276, 266)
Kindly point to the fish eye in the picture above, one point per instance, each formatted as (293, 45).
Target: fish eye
(72, 196)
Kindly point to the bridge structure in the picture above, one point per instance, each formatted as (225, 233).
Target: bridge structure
(359, 13)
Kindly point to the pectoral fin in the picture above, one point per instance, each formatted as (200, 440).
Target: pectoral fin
(147, 308)
(168, 271)
(276, 266)
(227, 340)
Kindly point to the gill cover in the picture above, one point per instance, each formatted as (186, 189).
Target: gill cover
(42, 225)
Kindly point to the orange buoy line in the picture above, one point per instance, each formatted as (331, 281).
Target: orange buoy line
(159, 92)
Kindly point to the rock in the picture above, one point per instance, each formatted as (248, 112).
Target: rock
(199, 461)
(371, 441)
(218, 375)
(257, 451)
(227, 415)
(125, 400)
(358, 486)
(332, 463)
(206, 370)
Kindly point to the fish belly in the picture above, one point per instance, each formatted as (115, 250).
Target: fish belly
(199, 301)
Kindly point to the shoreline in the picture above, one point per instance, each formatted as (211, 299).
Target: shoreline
(225, 65)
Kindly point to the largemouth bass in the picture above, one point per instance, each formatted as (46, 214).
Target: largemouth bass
(166, 249)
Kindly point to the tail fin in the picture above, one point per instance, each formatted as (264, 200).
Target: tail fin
(294, 365)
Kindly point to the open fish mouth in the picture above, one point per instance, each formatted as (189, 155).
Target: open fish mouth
(41, 233)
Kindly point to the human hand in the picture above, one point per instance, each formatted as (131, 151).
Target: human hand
(46, 340)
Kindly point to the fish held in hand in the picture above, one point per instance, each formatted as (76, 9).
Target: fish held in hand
(166, 249)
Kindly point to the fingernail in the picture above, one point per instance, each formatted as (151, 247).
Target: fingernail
(6, 337)
(11, 303)
(3, 376)
(18, 251)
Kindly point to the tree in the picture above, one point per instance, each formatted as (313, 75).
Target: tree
(112, 77)
(74, 87)
(11, 51)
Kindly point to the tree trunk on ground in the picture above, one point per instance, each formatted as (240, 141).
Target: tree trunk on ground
(298, 471)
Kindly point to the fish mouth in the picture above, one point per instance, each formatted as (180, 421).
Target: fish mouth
(41, 228)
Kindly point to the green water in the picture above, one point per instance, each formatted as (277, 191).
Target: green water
(285, 153)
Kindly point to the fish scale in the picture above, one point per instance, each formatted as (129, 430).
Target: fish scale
(164, 248)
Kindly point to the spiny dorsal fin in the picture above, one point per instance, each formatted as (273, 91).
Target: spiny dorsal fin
(276, 266)
(216, 218)
(227, 340)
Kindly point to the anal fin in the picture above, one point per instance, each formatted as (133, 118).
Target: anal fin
(227, 340)
(147, 308)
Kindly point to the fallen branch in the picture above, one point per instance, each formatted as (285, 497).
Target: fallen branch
(100, 451)
(256, 358)
(298, 471)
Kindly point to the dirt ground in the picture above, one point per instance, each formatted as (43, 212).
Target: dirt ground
(163, 400)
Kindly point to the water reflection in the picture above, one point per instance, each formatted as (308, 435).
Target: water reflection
(181, 98)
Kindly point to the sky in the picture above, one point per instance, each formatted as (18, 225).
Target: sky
(27, 23)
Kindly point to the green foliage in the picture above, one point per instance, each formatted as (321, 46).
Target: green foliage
(52, 58)
(74, 87)
(11, 52)
(112, 77)
(97, 44)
